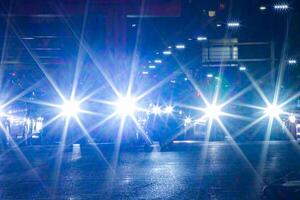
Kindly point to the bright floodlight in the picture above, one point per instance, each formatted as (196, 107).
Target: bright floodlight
(156, 110)
(213, 111)
(292, 118)
(70, 108)
(126, 106)
(273, 110)
(169, 109)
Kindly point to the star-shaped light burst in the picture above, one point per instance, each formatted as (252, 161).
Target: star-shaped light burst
(213, 111)
(70, 108)
(187, 121)
(273, 111)
(126, 106)
(169, 109)
(156, 110)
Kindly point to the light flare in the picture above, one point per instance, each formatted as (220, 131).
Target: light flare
(70, 108)
(126, 106)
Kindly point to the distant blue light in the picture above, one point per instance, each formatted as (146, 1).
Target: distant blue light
(167, 52)
(243, 68)
(292, 61)
(180, 46)
(152, 67)
(233, 24)
(282, 6)
(201, 38)
(263, 8)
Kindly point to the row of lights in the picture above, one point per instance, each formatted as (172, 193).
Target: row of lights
(127, 106)
(282, 6)
(124, 106)
(279, 6)
(292, 61)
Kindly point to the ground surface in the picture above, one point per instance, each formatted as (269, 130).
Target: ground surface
(179, 173)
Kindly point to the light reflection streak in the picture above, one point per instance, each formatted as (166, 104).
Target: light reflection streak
(59, 156)
(21, 156)
(90, 53)
(39, 64)
(258, 89)
(264, 152)
(246, 128)
(80, 54)
(203, 155)
(87, 135)
(144, 134)
(239, 151)
(135, 52)
(118, 143)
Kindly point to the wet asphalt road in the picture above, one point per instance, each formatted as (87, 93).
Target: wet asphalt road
(179, 173)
